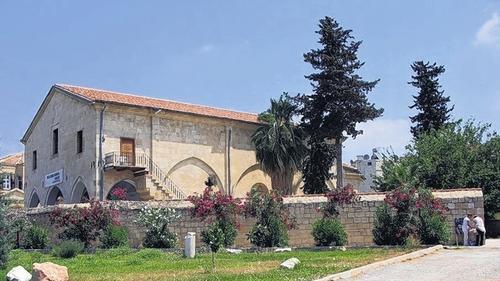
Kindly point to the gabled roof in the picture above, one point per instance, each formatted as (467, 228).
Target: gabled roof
(96, 95)
(92, 95)
(12, 159)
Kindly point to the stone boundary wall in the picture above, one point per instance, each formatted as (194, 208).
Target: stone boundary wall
(357, 218)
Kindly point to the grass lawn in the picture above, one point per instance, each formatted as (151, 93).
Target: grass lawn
(150, 264)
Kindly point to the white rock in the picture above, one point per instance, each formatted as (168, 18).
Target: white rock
(18, 273)
(343, 249)
(234, 251)
(280, 250)
(290, 263)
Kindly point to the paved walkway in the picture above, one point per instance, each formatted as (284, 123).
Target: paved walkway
(464, 264)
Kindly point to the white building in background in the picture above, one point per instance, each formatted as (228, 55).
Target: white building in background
(370, 167)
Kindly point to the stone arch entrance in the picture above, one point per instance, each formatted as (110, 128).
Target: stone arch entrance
(128, 186)
(261, 188)
(34, 200)
(55, 196)
(80, 193)
(191, 174)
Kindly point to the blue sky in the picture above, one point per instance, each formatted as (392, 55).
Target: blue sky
(239, 54)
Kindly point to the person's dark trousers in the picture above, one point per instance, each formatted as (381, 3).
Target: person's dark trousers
(480, 238)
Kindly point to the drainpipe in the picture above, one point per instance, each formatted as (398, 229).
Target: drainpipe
(101, 160)
(229, 140)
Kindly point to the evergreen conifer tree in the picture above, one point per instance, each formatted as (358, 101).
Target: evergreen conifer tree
(338, 102)
(432, 105)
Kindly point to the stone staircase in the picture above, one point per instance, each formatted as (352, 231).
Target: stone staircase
(155, 184)
(159, 187)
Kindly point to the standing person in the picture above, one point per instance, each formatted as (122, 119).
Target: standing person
(481, 230)
(466, 227)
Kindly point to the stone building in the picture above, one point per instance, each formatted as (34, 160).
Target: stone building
(152, 149)
(11, 171)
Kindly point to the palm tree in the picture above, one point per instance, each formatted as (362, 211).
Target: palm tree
(279, 144)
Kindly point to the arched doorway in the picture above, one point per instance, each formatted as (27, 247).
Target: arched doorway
(261, 188)
(55, 197)
(123, 190)
(80, 193)
(34, 200)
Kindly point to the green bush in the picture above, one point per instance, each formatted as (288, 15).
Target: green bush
(157, 239)
(36, 237)
(329, 231)
(214, 238)
(69, 249)
(5, 244)
(273, 219)
(433, 229)
(114, 237)
(383, 226)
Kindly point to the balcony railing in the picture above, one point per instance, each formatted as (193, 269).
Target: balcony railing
(142, 160)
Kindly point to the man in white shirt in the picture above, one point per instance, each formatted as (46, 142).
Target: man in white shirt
(466, 227)
(481, 230)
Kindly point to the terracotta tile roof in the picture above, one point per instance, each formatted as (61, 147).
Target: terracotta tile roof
(12, 160)
(97, 95)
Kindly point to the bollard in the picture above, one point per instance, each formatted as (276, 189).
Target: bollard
(190, 245)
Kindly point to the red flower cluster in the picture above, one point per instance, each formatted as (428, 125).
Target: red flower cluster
(85, 224)
(401, 198)
(218, 205)
(119, 193)
(338, 197)
(344, 195)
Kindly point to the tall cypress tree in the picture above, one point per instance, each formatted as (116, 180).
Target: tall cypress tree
(430, 102)
(338, 102)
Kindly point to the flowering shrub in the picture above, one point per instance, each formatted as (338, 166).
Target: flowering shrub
(338, 197)
(273, 219)
(84, 224)
(328, 230)
(118, 193)
(407, 215)
(156, 220)
(220, 209)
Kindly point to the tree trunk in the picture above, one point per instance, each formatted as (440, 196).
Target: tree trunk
(340, 170)
(282, 182)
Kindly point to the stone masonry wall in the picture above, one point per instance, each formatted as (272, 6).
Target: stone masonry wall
(357, 218)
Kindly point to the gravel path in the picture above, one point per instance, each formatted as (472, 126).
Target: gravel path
(464, 264)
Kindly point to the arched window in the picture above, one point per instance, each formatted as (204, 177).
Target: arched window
(55, 196)
(34, 200)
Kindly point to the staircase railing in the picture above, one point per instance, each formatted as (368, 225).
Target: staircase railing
(143, 160)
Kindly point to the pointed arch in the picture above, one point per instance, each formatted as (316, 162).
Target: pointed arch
(130, 187)
(54, 196)
(79, 192)
(198, 163)
(34, 200)
(252, 176)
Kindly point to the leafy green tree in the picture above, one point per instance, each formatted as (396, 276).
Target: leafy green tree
(338, 102)
(458, 155)
(430, 102)
(5, 243)
(279, 144)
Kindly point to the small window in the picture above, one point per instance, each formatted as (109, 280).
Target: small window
(79, 142)
(369, 163)
(34, 160)
(55, 141)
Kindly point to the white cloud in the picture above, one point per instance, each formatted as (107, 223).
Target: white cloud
(207, 48)
(385, 133)
(489, 32)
